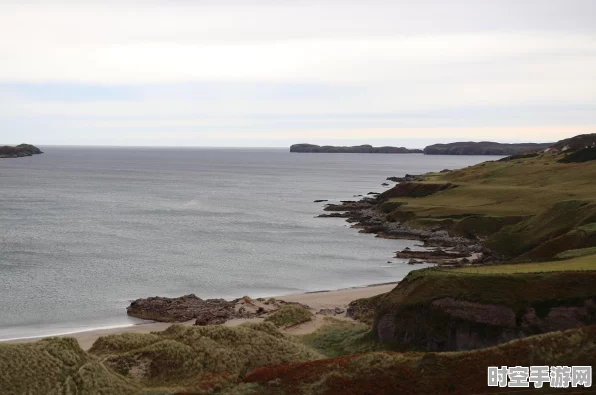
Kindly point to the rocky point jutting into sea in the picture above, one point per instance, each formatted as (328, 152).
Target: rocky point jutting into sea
(19, 151)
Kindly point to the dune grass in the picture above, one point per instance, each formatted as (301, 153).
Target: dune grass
(340, 337)
(290, 315)
(56, 366)
(198, 357)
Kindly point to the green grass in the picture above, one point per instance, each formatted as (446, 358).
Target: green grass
(576, 253)
(531, 208)
(290, 315)
(339, 337)
(581, 263)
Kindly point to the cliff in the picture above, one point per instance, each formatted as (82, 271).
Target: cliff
(453, 310)
(19, 151)
(483, 148)
(360, 149)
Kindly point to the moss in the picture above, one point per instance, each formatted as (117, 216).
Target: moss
(290, 315)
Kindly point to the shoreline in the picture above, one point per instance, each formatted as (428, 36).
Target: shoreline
(316, 300)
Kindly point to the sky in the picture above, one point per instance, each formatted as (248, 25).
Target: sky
(272, 73)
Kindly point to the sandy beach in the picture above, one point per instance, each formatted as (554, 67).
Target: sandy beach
(315, 300)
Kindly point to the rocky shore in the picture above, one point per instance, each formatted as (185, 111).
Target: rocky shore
(367, 216)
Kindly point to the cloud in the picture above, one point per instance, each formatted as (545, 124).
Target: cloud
(302, 65)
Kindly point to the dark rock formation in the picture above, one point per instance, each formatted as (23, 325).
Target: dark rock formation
(434, 256)
(19, 151)
(483, 148)
(360, 149)
(184, 308)
(334, 215)
(406, 178)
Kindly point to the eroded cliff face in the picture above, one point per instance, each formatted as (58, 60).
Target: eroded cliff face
(468, 320)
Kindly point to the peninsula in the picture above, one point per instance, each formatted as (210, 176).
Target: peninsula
(19, 151)
(359, 149)
(483, 148)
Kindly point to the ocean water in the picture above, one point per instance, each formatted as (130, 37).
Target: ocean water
(83, 231)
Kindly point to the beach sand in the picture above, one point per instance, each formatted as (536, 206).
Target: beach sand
(315, 300)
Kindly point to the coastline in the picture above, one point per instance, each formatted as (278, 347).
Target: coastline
(316, 300)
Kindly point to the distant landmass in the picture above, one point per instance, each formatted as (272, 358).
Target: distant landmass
(483, 148)
(359, 149)
(19, 151)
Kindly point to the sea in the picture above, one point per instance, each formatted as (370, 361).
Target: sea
(86, 230)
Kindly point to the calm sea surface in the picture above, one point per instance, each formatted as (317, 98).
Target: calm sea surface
(85, 230)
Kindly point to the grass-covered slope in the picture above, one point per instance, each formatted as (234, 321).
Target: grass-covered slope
(528, 208)
(426, 373)
(447, 310)
(57, 366)
(198, 358)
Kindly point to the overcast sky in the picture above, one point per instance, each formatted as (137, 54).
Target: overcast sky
(272, 73)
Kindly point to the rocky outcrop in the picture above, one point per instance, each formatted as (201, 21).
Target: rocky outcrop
(205, 312)
(406, 178)
(19, 151)
(360, 149)
(184, 308)
(433, 256)
(439, 310)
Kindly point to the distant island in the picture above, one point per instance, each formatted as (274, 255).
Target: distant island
(19, 151)
(457, 148)
(359, 149)
(484, 148)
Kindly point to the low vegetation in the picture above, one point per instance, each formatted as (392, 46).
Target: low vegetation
(340, 337)
(56, 366)
(198, 358)
(425, 373)
(290, 315)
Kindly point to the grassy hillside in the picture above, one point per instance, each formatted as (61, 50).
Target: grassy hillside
(425, 373)
(582, 263)
(57, 366)
(528, 208)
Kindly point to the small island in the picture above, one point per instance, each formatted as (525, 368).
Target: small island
(359, 149)
(19, 151)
